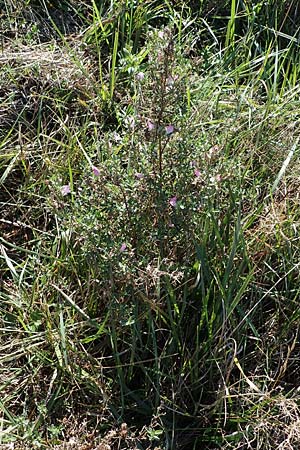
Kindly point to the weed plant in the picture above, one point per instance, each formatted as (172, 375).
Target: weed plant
(149, 265)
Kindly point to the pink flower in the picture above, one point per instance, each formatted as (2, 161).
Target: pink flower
(96, 171)
(170, 81)
(169, 129)
(150, 125)
(197, 173)
(123, 247)
(140, 76)
(173, 201)
(139, 175)
(216, 179)
(65, 189)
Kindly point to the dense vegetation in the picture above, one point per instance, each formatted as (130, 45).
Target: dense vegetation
(149, 248)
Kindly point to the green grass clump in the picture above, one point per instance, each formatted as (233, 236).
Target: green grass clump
(149, 254)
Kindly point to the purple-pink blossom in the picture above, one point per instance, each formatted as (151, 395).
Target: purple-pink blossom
(65, 189)
(216, 179)
(197, 173)
(150, 125)
(140, 76)
(170, 81)
(173, 201)
(139, 175)
(123, 247)
(96, 171)
(169, 129)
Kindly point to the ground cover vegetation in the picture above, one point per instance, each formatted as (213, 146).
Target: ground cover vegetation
(149, 248)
